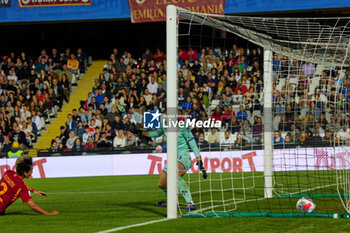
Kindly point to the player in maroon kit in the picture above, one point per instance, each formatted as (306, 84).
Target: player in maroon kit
(12, 186)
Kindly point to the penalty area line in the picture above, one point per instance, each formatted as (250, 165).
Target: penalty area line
(134, 225)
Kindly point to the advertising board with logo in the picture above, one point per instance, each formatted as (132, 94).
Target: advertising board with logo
(37, 3)
(298, 159)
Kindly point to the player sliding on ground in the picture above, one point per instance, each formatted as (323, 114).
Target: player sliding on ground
(185, 141)
(12, 186)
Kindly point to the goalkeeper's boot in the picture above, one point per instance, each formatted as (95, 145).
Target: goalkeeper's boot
(190, 206)
(162, 204)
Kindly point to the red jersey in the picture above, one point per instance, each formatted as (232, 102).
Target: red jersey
(12, 186)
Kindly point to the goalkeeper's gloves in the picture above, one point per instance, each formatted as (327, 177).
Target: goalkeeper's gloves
(201, 168)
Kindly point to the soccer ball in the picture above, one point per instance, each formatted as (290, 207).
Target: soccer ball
(306, 205)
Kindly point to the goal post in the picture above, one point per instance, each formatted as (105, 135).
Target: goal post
(268, 137)
(303, 64)
(172, 148)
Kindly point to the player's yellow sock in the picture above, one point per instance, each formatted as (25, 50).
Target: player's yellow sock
(184, 190)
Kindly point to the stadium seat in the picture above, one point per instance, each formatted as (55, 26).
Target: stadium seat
(214, 103)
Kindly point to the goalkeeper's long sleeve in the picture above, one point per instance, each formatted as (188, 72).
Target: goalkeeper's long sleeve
(156, 133)
(188, 136)
(194, 147)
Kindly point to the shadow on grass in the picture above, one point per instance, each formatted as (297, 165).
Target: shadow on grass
(144, 206)
(19, 213)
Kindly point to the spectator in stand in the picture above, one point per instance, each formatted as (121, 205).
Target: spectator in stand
(159, 56)
(90, 145)
(187, 106)
(225, 101)
(202, 143)
(80, 129)
(328, 137)
(213, 137)
(7, 145)
(54, 147)
(73, 64)
(303, 80)
(277, 139)
(241, 87)
(12, 76)
(195, 112)
(66, 87)
(71, 140)
(217, 114)
(64, 135)
(86, 134)
(242, 113)
(43, 55)
(308, 69)
(57, 93)
(20, 137)
(161, 93)
(71, 124)
(238, 97)
(148, 55)
(227, 115)
(152, 86)
(344, 133)
(61, 147)
(118, 123)
(240, 140)
(246, 131)
(288, 140)
(103, 142)
(276, 63)
(41, 65)
(234, 125)
(192, 54)
(148, 96)
(304, 138)
(78, 147)
(183, 55)
(152, 67)
(280, 107)
(83, 60)
(130, 139)
(257, 129)
(135, 116)
(119, 140)
(227, 141)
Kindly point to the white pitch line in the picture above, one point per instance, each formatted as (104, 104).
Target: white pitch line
(134, 225)
(103, 192)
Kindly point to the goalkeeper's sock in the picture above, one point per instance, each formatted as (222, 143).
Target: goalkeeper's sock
(165, 192)
(184, 190)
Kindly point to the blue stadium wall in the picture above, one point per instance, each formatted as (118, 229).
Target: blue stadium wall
(119, 9)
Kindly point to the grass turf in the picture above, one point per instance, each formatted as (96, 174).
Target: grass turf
(93, 204)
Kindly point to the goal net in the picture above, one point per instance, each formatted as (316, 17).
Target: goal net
(280, 86)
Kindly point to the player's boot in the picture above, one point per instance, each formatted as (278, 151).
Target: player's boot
(190, 206)
(162, 204)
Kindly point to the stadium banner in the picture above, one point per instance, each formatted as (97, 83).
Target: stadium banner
(5, 3)
(142, 11)
(119, 9)
(36, 3)
(296, 159)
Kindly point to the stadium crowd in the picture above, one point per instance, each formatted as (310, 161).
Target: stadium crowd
(32, 90)
(223, 85)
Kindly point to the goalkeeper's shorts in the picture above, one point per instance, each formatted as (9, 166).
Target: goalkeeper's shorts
(185, 160)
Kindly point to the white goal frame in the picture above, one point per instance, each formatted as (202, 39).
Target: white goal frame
(172, 60)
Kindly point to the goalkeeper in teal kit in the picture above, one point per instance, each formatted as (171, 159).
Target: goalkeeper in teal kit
(185, 141)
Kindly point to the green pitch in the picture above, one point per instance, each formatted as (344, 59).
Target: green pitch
(100, 203)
